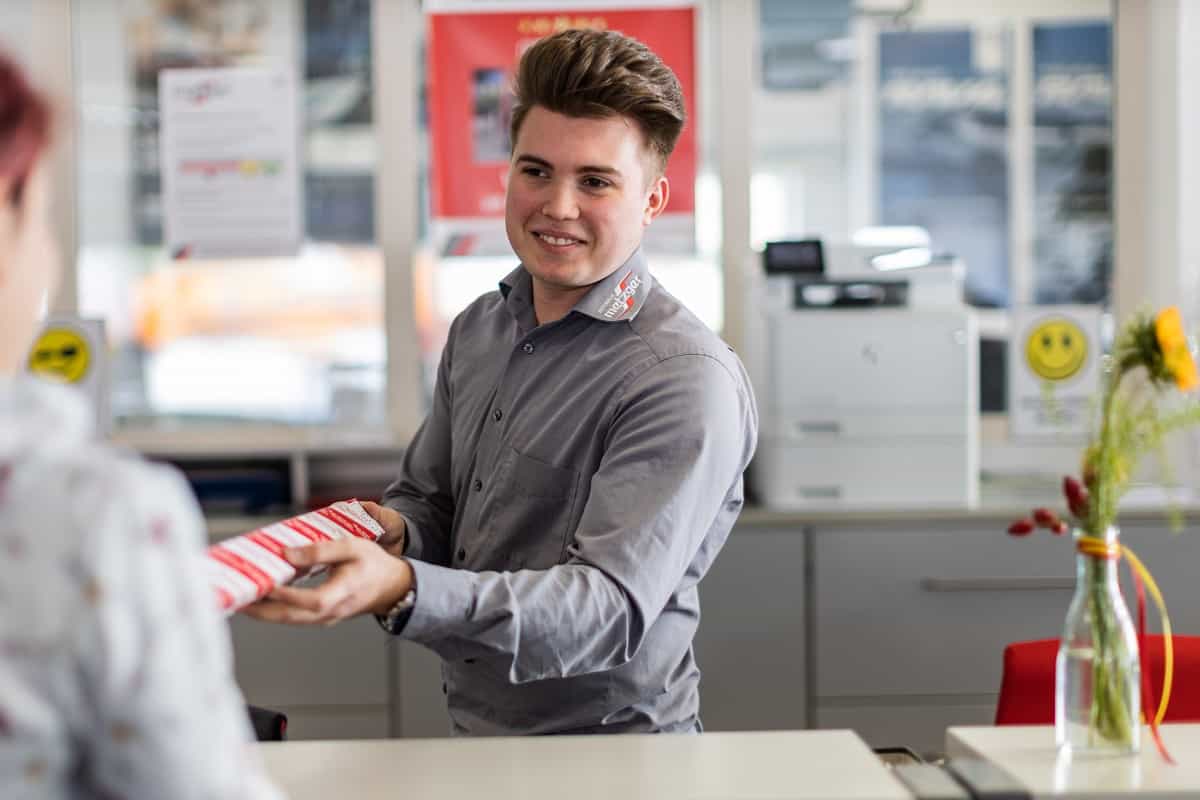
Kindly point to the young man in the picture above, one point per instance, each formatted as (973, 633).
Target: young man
(582, 464)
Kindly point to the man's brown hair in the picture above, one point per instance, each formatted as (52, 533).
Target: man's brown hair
(590, 73)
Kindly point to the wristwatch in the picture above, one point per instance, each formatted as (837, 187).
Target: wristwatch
(395, 619)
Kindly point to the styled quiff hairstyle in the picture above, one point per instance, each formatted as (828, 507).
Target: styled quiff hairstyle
(24, 128)
(598, 74)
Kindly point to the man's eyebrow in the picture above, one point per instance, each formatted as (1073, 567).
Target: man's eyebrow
(541, 162)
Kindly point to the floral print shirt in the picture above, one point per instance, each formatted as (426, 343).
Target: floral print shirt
(115, 668)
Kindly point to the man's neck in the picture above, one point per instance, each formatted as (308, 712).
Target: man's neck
(551, 304)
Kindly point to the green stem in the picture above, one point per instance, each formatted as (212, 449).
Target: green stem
(1111, 716)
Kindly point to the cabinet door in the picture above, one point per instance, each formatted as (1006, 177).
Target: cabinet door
(750, 645)
(331, 682)
(1171, 556)
(421, 707)
(927, 608)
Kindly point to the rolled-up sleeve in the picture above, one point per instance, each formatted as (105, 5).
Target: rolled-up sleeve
(682, 432)
(423, 494)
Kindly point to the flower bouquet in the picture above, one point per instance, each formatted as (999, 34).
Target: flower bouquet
(1100, 689)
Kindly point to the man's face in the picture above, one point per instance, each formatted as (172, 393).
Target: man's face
(580, 193)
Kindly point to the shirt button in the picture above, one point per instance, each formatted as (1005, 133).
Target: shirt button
(527, 347)
(462, 554)
(477, 485)
(497, 415)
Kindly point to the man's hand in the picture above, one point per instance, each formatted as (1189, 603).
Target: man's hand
(363, 579)
(393, 526)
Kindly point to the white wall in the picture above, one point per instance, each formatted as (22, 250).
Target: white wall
(15, 24)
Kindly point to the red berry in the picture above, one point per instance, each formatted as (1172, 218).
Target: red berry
(1022, 527)
(1059, 528)
(1044, 517)
(1077, 496)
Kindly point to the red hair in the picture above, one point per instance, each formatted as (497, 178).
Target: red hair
(24, 127)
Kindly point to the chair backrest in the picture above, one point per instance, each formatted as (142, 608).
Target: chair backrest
(1027, 686)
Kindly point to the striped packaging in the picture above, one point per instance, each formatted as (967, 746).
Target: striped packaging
(246, 568)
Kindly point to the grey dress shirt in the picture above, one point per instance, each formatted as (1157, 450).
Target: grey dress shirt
(570, 487)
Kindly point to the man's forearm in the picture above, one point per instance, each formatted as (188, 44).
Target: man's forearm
(571, 619)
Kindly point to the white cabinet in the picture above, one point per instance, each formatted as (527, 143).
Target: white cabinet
(910, 618)
(926, 608)
(750, 645)
(331, 682)
(420, 694)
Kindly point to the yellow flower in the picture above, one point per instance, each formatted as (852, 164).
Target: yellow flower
(1172, 342)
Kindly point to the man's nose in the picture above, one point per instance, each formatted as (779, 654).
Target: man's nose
(560, 201)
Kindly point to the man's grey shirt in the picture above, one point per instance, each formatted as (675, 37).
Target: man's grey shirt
(570, 487)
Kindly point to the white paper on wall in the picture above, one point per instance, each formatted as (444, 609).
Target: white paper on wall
(230, 171)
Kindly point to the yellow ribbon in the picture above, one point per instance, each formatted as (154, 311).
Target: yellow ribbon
(1099, 548)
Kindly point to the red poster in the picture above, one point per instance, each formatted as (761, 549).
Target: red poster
(472, 60)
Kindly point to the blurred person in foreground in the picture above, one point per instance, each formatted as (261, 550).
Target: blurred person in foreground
(582, 464)
(115, 667)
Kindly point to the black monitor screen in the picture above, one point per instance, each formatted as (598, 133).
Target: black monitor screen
(803, 257)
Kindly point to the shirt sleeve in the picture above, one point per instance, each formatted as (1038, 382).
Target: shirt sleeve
(164, 718)
(680, 439)
(423, 494)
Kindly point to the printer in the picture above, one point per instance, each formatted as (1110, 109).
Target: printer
(867, 378)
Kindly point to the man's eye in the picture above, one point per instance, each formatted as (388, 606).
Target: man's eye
(596, 183)
(535, 172)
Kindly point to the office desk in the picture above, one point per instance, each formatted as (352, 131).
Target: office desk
(1028, 754)
(716, 766)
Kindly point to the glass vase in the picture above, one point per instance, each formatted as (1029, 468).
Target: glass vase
(1097, 699)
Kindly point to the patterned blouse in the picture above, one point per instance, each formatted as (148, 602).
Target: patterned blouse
(115, 669)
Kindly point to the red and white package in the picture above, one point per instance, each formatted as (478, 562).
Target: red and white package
(247, 567)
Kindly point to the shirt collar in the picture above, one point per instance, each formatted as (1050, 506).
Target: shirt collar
(621, 295)
(617, 298)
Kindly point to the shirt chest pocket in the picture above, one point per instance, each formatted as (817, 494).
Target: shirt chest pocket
(526, 517)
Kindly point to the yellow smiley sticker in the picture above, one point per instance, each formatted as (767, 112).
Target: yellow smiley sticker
(1056, 349)
(61, 354)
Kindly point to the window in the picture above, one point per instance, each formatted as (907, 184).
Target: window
(987, 125)
(294, 340)
(16, 22)
(464, 257)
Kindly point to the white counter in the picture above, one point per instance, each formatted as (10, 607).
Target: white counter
(1028, 754)
(714, 766)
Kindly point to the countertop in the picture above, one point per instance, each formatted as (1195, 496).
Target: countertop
(833, 765)
(1027, 753)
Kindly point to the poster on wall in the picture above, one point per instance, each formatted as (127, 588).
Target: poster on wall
(229, 160)
(1054, 354)
(1072, 117)
(474, 47)
(943, 158)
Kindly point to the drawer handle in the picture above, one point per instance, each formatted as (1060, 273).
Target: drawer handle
(819, 427)
(1020, 584)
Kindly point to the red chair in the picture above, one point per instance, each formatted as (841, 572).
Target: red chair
(1027, 688)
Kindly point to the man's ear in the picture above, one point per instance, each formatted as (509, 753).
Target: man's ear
(656, 200)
